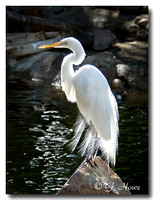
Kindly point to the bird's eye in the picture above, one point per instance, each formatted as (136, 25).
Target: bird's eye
(64, 43)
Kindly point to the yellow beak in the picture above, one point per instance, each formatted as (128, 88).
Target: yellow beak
(50, 45)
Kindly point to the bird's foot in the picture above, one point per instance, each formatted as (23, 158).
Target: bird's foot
(92, 165)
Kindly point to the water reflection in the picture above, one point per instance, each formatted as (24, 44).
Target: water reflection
(39, 126)
(50, 147)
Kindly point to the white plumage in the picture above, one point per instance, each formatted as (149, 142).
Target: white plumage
(99, 111)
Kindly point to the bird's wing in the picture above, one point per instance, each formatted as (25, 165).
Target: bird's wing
(93, 98)
(98, 105)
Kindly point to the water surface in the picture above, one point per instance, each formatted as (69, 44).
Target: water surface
(39, 127)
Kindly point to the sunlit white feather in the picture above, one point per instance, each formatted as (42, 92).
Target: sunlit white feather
(90, 90)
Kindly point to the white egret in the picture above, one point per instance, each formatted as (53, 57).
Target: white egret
(88, 87)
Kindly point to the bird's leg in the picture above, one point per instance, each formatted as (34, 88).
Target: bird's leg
(95, 164)
(95, 157)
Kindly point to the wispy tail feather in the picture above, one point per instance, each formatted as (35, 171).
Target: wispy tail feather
(79, 127)
(92, 142)
(89, 146)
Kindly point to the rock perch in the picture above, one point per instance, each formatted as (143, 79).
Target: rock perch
(99, 179)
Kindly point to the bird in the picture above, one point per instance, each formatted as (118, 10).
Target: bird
(98, 108)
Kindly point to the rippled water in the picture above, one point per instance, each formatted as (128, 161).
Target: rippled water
(39, 127)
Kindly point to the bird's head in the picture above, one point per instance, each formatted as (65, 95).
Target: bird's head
(69, 43)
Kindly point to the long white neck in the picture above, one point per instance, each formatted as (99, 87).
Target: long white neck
(67, 71)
